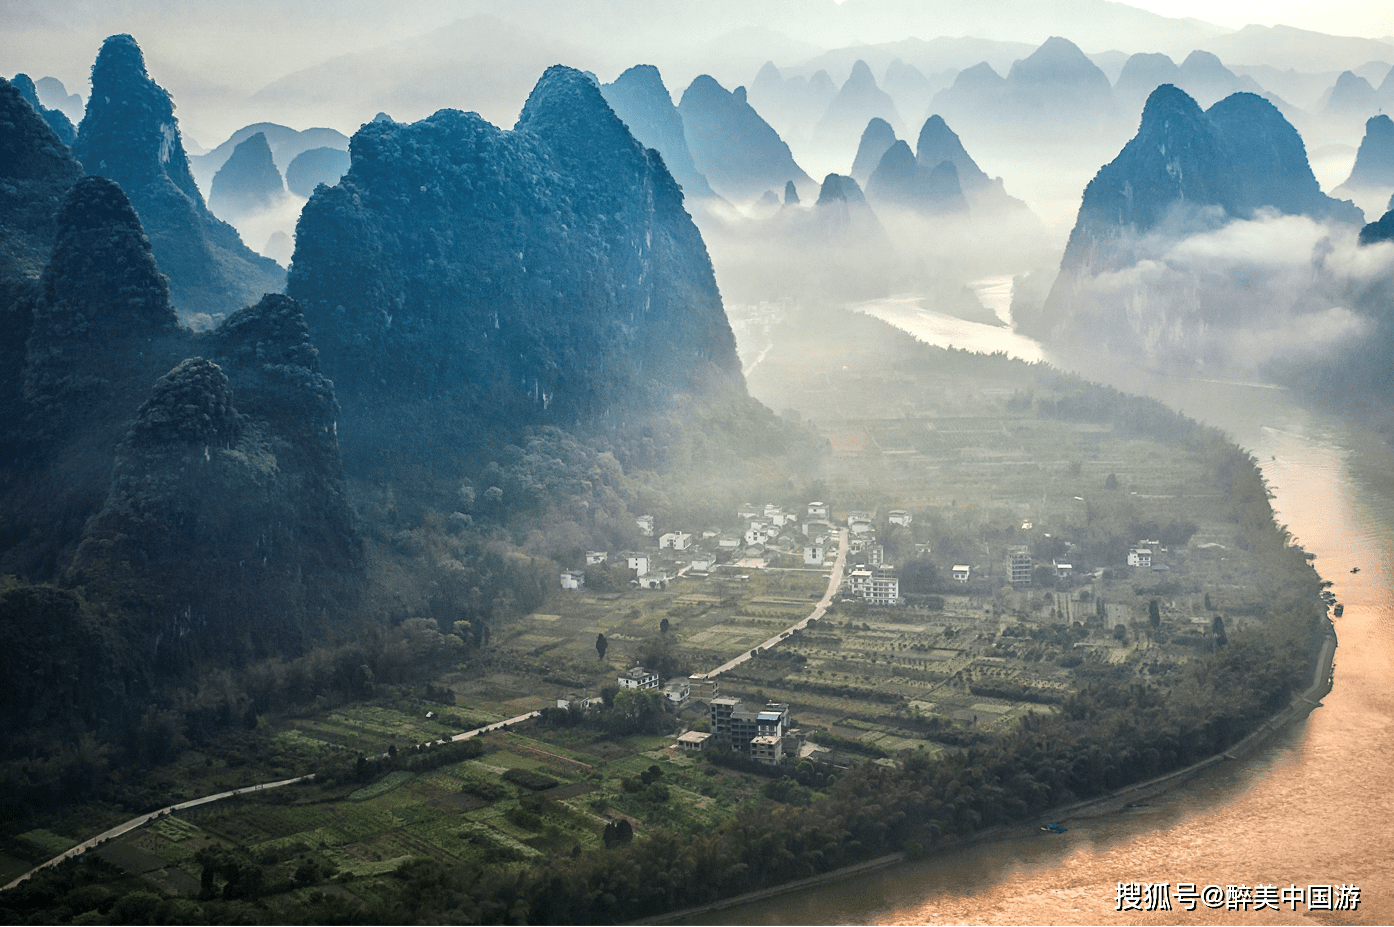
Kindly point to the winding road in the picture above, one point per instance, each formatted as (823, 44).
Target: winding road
(834, 581)
(146, 818)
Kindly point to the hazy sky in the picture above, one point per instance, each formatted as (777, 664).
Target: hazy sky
(1367, 18)
(213, 55)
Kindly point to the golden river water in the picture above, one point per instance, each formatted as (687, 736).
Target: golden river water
(1313, 807)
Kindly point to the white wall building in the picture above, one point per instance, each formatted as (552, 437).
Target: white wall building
(638, 678)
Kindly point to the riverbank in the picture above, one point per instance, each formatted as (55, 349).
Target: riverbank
(1298, 709)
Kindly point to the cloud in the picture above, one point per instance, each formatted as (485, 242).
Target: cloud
(1241, 295)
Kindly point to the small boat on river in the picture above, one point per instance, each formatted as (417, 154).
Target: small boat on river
(1339, 610)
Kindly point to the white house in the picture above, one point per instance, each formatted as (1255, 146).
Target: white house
(675, 540)
(637, 562)
(817, 510)
(580, 701)
(728, 542)
(703, 563)
(878, 587)
(900, 517)
(1140, 557)
(1063, 570)
(961, 572)
(651, 581)
(596, 556)
(747, 510)
(573, 579)
(638, 678)
(813, 554)
(677, 691)
(645, 523)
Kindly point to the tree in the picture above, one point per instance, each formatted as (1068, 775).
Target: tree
(1111, 482)
(663, 626)
(1154, 614)
(601, 645)
(1217, 632)
(1120, 632)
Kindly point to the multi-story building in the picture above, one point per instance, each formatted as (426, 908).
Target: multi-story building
(702, 687)
(638, 678)
(675, 540)
(1140, 557)
(1019, 565)
(876, 585)
(759, 734)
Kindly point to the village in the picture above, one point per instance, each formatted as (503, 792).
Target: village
(844, 548)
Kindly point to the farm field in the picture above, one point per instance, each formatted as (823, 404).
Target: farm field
(983, 458)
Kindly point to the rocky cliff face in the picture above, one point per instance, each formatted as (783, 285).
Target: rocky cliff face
(463, 281)
(740, 154)
(639, 97)
(129, 134)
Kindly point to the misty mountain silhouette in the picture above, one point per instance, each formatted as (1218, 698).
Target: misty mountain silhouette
(739, 152)
(316, 166)
(639, 97)
(286, 145)
(1374, 162)
(1240, 156)
(1187, 172)
(858, 101)
(58, 121)
(130, 135)
(876, 140)
(248, 182)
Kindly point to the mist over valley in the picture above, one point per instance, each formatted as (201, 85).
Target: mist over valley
(588, 461)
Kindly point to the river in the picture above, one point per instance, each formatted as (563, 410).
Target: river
(1315, 806)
